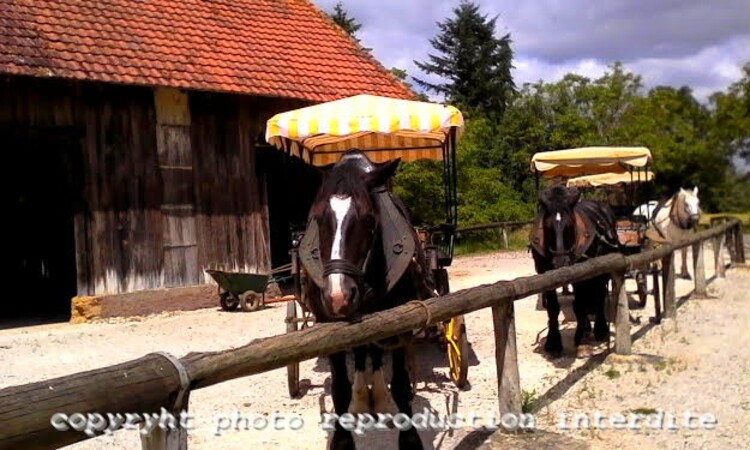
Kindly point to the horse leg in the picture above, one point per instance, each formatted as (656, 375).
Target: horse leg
(582, 297)
(684, 270)
(601, 329)
(360, 391)
(341, 392)
(553, 345)
(381, 397)
(402, 394)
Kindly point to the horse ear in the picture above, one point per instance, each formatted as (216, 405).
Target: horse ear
(695, 191)
(382, 173)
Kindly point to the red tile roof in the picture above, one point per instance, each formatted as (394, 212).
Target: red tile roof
(279, 48)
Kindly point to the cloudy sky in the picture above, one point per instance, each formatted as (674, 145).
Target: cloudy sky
(699, 43)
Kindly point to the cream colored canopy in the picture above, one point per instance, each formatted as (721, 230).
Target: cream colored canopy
(384, 128)
(590, 160)
(609, 179)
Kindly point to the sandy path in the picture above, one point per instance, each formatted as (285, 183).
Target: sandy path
(36, 353)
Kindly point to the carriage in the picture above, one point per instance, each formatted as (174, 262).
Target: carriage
(616, 175)
(384, 129)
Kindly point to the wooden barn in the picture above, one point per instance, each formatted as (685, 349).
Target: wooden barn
(132, 132)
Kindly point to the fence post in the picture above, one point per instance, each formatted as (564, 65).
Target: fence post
(667, 274)
(718, 259)
(505, 237)
(622, 318)
(171, 433)
(506, 357)
(699, 271)
(739, 241)
(731, 245)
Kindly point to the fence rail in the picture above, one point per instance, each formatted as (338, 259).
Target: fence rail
(159, 380)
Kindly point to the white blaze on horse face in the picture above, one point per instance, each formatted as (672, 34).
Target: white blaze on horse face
(340, 205)
(558, 217)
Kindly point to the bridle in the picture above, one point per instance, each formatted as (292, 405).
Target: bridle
(344, 267)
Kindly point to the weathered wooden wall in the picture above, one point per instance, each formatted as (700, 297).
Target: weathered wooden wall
(170, 182)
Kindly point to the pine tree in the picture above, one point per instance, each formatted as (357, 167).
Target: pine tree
(475, 64)
(342, 19)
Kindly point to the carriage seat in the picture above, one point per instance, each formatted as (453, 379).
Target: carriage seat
(630, 230)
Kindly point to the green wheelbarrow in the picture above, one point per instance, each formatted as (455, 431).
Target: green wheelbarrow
(238, 289)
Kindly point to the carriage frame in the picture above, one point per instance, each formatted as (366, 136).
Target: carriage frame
(384, 129)
(622, 168)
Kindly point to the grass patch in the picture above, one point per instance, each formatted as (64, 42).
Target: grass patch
(529, 401)
(660, 365)
(612, 373)
(644, 411)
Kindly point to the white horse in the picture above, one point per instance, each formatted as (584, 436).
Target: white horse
(673, 218)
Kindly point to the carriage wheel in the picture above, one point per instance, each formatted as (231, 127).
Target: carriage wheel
(292, 370)
(250, 301)
(458, 351)
(228, 301)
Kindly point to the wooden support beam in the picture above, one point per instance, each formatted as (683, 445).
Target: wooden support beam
(622, 318)
(668, 279)
(506, 358)
(699, 271)
(142, 385)
(718, 257)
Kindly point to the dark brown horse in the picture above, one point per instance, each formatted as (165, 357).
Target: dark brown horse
(358, 274)
(569, 230)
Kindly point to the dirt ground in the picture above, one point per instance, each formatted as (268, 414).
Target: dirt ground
(700, 364)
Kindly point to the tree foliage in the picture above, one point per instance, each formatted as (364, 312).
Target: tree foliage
(475, 64)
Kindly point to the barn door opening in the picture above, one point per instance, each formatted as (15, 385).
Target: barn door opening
(41, 186)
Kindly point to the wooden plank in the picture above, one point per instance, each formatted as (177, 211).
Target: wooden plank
(506, 359)
(175, 157)
(622, 318)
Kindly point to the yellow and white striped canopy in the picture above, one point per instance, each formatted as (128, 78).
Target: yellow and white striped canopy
(610, 179)
(384, 128)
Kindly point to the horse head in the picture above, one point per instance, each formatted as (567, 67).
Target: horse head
(686, 208)
(348, 223)
(558, 223)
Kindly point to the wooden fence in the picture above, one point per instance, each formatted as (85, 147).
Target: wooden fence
(160, 380)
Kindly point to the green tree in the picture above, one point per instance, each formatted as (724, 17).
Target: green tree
(475, 64)
(402, 76)
(349, 24)
(731, 118)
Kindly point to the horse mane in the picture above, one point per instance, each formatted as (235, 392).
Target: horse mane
(344, 178)
(558, 198)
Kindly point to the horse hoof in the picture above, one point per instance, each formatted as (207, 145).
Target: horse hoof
(554, 349)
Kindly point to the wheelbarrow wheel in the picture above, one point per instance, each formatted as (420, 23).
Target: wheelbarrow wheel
(250, 301)
(228, 301)
(458, 351)
(292, 370)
